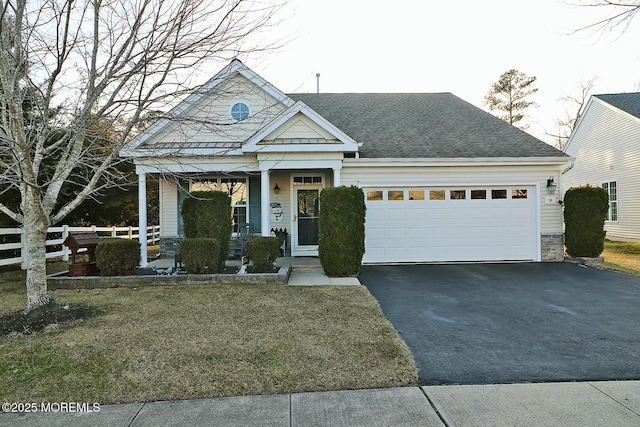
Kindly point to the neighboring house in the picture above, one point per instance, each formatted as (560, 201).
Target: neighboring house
(606, 146)
(443, 180)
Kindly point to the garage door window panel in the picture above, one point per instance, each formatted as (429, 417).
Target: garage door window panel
(436, 195)
(518, 194)
(498, 194)
(416, 194)
(395, 195)
(478, 194)
(458, 194)
(374, 195)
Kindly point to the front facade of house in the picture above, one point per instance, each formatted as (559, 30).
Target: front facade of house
(443, 180)
(606, 146)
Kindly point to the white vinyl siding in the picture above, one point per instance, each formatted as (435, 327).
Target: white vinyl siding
(168, 208)
(297, 128)
(212, 117)
(606, 145)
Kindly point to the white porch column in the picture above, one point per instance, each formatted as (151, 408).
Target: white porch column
(265, 203)
(142, 218)
(336, 177)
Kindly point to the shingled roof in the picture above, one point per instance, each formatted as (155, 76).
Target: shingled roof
(629, 102)
(426, 125)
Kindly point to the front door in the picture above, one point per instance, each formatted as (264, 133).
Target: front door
(305, 219)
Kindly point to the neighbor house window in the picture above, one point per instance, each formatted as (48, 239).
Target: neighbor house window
(236, 188)
(240, 111)
(611, 188)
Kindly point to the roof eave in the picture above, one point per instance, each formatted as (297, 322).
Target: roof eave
(460, 161)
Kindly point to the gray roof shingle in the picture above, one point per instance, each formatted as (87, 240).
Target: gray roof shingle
(423, 125)
(629, 102)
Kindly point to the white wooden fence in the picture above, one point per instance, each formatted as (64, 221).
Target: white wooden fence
(13, 253)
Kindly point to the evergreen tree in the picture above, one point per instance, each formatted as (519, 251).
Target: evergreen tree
(510, 96)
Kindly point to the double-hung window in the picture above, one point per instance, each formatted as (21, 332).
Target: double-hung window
(236, 188)
(611, 188)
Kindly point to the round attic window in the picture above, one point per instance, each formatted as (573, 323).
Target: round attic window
(240, 111)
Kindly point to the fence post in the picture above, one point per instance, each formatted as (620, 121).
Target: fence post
(114, 233)
(23, 253)
(130, 233)
(65, 250)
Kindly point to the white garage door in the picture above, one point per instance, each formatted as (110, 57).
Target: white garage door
(450, 224)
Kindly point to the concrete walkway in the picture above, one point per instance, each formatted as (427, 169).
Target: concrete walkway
(549, 404)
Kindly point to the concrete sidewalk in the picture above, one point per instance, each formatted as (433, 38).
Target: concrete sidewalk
(607, 403)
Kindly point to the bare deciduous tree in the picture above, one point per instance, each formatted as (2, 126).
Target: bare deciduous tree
(65, 66)
(620, 14)
(574, 105)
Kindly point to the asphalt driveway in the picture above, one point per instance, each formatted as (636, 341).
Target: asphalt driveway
(506, 323)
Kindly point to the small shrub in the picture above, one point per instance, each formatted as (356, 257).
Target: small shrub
(117, 257)
(263, 251)
(341, 231)
(200, 255)
(208, 214)
(585, 209)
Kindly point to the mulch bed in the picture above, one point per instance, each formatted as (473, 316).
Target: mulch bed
(36, 320)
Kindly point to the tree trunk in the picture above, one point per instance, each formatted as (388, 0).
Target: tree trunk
(36, 237)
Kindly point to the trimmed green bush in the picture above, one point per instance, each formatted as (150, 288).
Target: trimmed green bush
(208, 214)
(117, 257)
(341, 230)
(200, 255)
(263, 251)
(585, 209)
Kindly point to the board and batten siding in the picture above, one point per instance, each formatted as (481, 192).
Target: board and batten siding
(512, 176)
(606, 147)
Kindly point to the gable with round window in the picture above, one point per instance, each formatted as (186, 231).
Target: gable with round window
(240, 111)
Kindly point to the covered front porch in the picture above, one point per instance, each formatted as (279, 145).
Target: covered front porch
(272, 196)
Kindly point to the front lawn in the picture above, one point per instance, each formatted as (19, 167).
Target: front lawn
(198, 341)
(622, 256)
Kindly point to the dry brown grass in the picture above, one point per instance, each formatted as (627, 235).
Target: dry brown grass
(622, 256)
(187, 342)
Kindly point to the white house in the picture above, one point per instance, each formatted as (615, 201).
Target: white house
(606, 146)
(443, 180)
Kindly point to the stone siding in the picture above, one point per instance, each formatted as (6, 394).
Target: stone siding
(552, 247)
(169, 246)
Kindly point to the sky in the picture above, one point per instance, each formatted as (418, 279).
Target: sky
(460, 46)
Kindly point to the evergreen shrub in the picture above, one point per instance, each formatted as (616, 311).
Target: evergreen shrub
(585, 210)
(263, 251)
(341, 230)
(200, 255)
(117, 257)
(208, 214)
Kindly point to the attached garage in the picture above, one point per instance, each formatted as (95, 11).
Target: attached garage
(439, 224)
